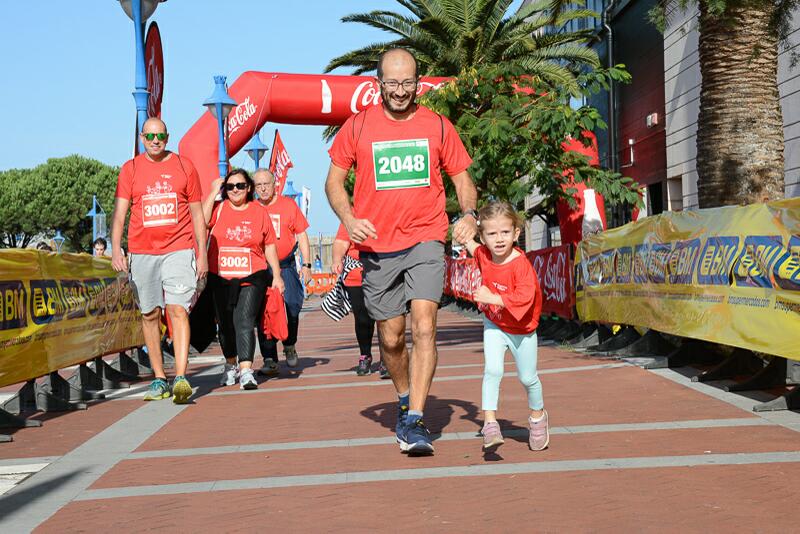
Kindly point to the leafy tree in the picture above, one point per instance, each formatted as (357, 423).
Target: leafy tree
(514, 126)
(451, 36)
(740, 126)
(54, 195)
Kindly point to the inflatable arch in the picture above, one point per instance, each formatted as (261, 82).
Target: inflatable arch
(313, 99)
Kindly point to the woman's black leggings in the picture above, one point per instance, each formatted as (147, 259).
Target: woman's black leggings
(236, 326)
(365, 326)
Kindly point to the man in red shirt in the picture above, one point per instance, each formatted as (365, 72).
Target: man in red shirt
(162, 190)
(399, 222)
(290, 233)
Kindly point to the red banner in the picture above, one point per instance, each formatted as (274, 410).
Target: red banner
(154, 64)
(554, 267)
(461, 278)
(279, 163)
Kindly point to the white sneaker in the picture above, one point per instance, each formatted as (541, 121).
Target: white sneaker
(229, 375)
(247, 380)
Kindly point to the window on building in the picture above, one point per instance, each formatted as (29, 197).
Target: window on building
(675, 193)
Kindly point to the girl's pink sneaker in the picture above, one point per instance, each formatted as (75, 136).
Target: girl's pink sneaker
(492, 437)
(539, 436)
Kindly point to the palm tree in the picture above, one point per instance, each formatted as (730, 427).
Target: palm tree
(451, 36)
(740, 127)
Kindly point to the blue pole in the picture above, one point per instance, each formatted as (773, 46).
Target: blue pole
(223, 156)
(141, 94)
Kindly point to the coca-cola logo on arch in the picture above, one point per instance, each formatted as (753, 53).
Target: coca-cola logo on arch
(240, 115)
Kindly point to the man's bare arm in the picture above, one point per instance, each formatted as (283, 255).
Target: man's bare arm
(358, 229)
(466, 228)
(118, 260)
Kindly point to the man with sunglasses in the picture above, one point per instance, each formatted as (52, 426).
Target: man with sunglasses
(290, 234)
(399, 222)
(166, 228)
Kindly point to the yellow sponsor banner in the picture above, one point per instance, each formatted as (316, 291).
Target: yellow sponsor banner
(59, 310)
(729, 275)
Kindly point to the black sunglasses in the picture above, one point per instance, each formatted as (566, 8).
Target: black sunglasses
(151, 136)
(241, 186)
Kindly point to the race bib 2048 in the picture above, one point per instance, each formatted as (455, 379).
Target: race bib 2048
(401, 164)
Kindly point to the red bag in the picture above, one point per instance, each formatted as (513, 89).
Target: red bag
(274, 323)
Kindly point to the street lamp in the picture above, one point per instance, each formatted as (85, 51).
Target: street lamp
(290, 191)
(256, 149)
(220, 104)
(58, 239)
(139, 11)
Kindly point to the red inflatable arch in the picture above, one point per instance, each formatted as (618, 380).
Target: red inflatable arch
(314, 99)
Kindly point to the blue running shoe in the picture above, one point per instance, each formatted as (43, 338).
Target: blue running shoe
(402, 415)
(416, 438)
(159, 389)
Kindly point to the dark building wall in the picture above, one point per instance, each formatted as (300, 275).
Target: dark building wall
(640, 46)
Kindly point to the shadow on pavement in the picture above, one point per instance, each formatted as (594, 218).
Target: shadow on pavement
(438, 413)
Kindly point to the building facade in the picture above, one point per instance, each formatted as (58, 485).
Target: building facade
(653, 121)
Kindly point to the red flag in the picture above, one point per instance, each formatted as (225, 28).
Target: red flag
(279, 163)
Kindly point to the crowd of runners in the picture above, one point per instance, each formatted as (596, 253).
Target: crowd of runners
(240, 244)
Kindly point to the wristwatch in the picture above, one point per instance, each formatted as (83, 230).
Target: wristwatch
(307, 265)
(470, 212)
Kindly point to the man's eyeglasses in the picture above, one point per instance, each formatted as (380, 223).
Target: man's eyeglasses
(151, 136)
(392, 85)
(241, 186)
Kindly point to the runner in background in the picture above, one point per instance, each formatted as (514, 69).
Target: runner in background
(290, 234)
(241, 243)
(162, 190)
(365, 326)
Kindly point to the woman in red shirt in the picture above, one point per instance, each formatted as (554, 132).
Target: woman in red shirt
(240, 245)
(511, 300)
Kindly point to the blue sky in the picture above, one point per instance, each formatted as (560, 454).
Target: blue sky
(69, 73)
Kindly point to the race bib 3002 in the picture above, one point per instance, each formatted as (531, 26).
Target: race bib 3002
(158, 210)
(401, 164)
(235, 262)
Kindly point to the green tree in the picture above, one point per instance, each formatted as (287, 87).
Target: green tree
(514, 126)
(452, 36)
(740, 126)
(54, 195)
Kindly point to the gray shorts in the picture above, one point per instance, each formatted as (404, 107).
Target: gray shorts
(393, 279)
(159, 279)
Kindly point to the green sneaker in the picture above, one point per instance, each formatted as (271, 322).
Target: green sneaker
(159, 389)
(181, 390)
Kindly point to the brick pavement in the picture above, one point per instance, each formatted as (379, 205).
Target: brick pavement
(631, 450)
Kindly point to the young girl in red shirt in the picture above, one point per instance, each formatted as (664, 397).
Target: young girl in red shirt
(511, 300)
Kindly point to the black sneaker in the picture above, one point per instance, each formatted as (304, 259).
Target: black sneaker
(383, 372)
(291, 355)
(270, 368)
(364, 366)
(416, 439)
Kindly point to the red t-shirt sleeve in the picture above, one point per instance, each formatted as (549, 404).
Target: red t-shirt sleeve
(299, 223)
(343, 149)
(454, 157)
(125, 181)
(526, 287)
(193, 189)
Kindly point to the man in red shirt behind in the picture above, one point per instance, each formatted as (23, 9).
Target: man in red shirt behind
(399, 222)
(290, 234)
(163, 193)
